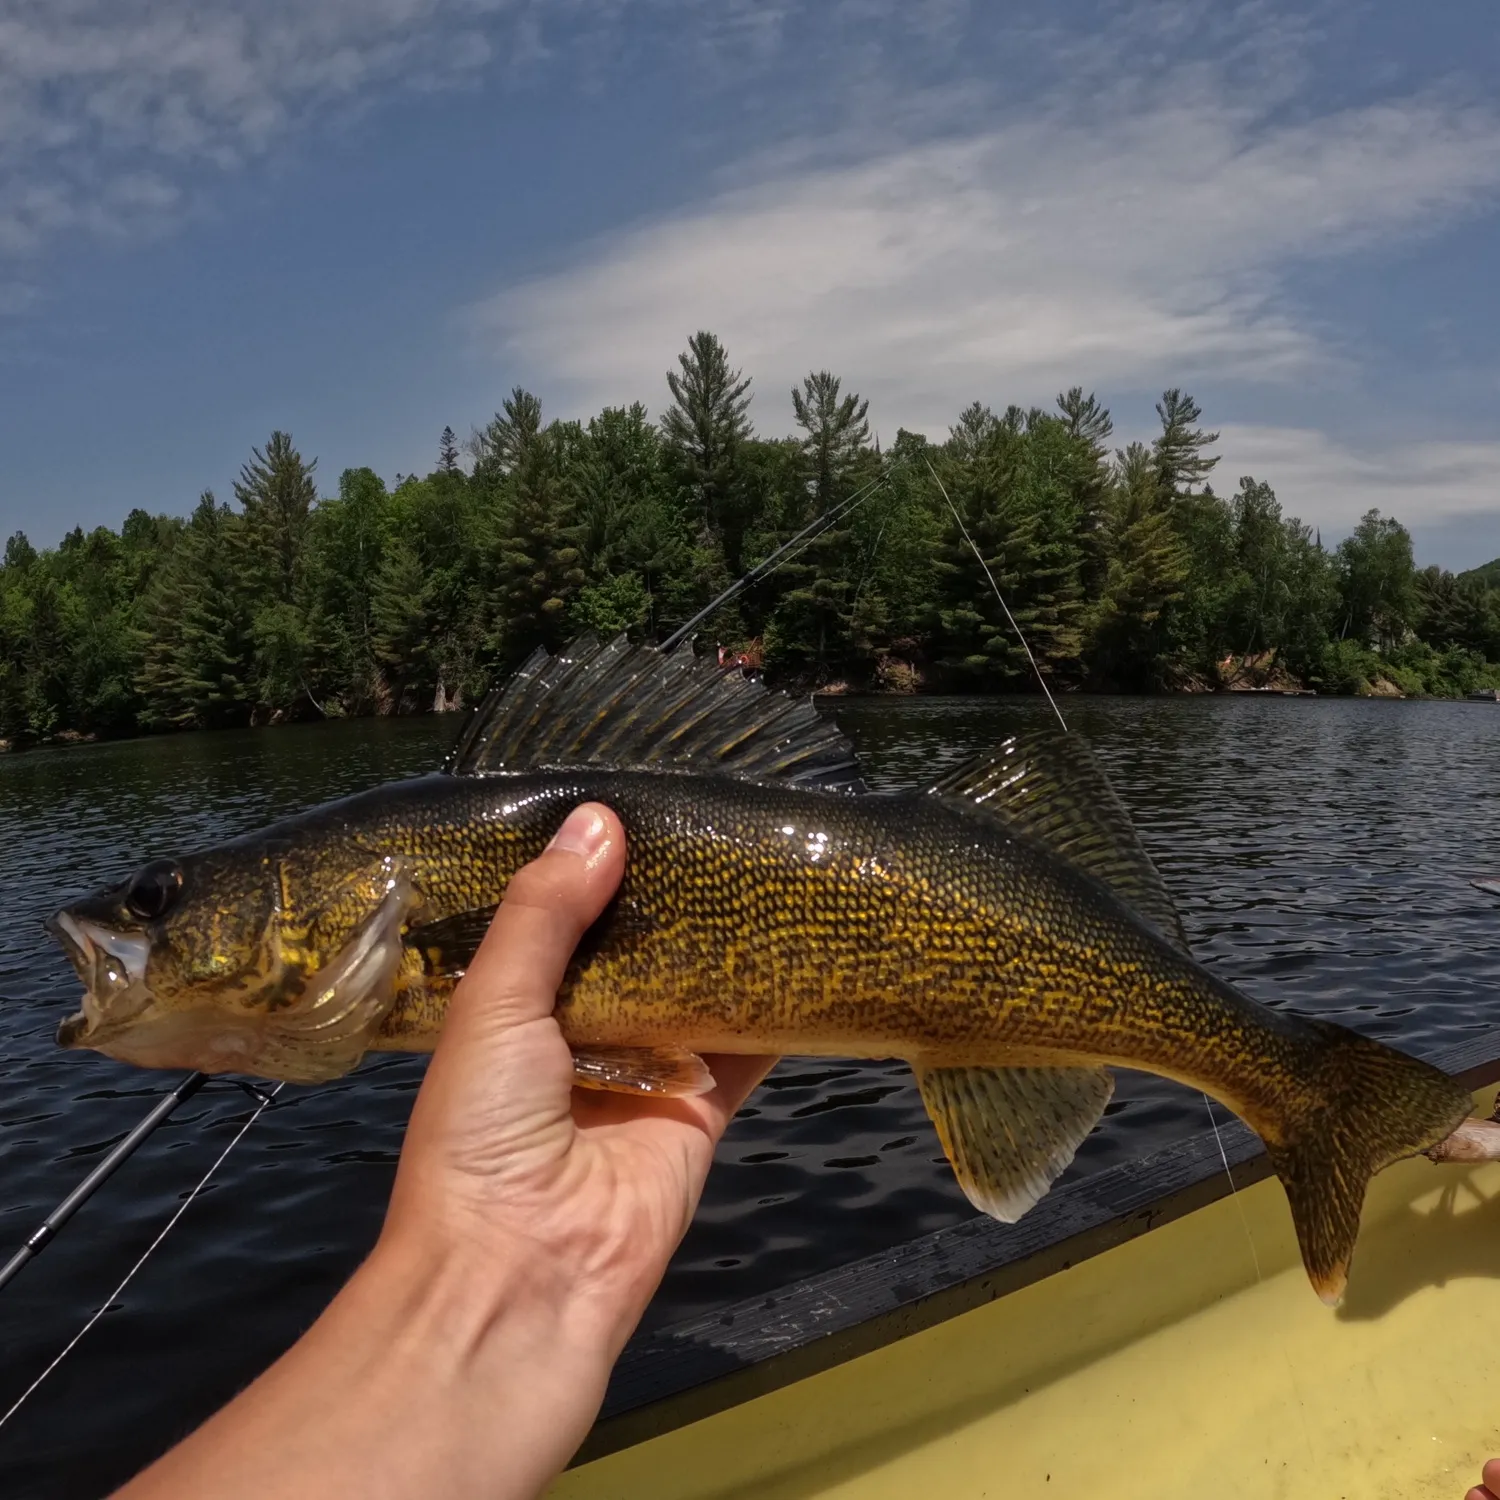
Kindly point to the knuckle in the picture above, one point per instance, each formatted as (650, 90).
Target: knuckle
(544, 884)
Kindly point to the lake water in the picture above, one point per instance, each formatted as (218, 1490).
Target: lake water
(1320, 851)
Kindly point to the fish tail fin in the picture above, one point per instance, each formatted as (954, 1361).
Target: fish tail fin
(1366, 1106)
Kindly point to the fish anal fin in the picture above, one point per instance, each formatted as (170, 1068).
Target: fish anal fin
(1011, 1132)
(660, 1072)
(618, 705)
(1049, 786)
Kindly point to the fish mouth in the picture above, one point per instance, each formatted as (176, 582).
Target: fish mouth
(112, 966)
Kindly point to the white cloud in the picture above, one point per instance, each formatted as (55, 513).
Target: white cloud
(93, 92)
(1331, 484)
(1105, 241)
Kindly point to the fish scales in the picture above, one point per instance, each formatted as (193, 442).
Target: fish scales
(1006, 933)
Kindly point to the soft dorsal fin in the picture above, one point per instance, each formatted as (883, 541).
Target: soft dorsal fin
(620, 705)
(1050, 787)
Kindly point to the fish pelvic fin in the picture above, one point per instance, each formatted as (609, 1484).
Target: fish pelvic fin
(1049, 786)
(660, 1072)
(1011, 1132)
(618, 705)
(1365, 1106)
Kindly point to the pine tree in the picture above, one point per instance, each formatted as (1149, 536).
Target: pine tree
(837, 433)
(277, 493)
(448, 452)
(534, 562)
(1195, 625)
(1090, 479)
(401, 626)
(812, 623)
(705, 427)
(1177, 453)
(502, 446)
(346, 546)
(993, 491)
(1146, 564)
(198, 667)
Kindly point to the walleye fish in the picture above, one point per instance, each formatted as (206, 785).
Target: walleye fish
(1004, 931)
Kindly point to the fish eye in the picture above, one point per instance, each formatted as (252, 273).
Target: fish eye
(153, 891)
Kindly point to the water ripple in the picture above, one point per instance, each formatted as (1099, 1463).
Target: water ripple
(1319, 850)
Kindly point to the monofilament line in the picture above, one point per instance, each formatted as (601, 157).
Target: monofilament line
(1020, 636)
(150, 1250)
(1234, 1193)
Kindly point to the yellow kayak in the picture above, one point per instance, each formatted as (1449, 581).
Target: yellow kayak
(1147, 1334)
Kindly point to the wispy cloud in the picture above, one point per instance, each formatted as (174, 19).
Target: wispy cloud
(98, 94)
(1111, 240)
(108, 106)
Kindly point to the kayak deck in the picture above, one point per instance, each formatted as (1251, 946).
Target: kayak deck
(1189, 1362)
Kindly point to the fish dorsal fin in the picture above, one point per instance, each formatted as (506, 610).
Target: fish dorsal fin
(1050, 787)
(614, 704)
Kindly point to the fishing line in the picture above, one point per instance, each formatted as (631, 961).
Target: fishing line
(109, 1301)
(767, 565)
(1212, 1119)
(1025, 645)
(1234, 1192)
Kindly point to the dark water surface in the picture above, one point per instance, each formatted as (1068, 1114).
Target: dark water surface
(1319, 849)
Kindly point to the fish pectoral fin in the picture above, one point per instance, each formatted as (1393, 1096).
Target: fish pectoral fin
(1010, 1132)
(665, 1072)
(327, 1028)
(449, 944)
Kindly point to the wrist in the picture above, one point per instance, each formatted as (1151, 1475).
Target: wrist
(479, 1315)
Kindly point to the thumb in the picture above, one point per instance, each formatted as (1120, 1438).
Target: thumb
(497, 1094)
(548, 906)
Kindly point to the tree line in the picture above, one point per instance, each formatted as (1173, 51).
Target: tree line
(1124, 568)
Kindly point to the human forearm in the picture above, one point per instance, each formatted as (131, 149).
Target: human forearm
(431, 1373)
(528, 1227)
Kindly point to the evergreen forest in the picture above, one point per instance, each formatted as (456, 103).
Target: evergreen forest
(1127, 568)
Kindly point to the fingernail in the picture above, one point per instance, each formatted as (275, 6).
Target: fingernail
(583, 832)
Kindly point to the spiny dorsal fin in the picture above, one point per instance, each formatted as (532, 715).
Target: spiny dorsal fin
(621, 705)
(1050, 786)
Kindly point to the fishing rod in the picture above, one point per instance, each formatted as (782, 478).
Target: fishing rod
(47, 1230)
(810, 531)
(265, 1101)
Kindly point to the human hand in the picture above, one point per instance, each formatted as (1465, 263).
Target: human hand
(528, 1227)
(1489, 1489)
(586, 1193)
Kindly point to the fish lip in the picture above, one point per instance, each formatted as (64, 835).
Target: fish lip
(111, 998)
(85, 941)
(74, 942)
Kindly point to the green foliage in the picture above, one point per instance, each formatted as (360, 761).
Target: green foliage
(619, 603)
(533, 556)
(1009, 520)
(1122, 567)
(705, 427)
(1377, 582)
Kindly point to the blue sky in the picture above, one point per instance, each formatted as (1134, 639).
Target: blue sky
(362, 219)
